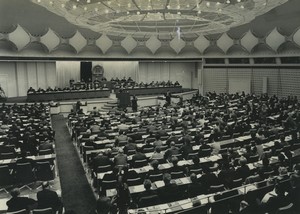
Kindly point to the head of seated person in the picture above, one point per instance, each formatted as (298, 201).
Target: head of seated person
(15, 192)
(193, 178)
(147, 184)
(243, 161)
(174, 160)
(155, 164)
(167, 179)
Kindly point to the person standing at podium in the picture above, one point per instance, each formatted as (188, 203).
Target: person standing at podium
(168, 98)
(134, 103)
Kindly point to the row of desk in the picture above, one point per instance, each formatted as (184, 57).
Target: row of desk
(151, 90)
(67, 95)
(38, 158)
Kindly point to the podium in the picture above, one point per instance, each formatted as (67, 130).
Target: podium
(123, 99)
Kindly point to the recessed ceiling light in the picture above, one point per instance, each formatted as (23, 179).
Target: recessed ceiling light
(74, 6)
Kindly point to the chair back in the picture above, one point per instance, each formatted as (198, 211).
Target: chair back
(237, 182)
(23, 211)
(140, 163)
(192, 155)
(134, 181)
(148, 201)
(43, 211)
(286, 209)
(5, 176)
(147, 150)
(7, 155)
(156, 177)
(205, 152)
(45, 152)
(105, 168)
(24, 173)
(176, 175)
(108, 184)
(217, 188)
(196, 171)
(44, 171)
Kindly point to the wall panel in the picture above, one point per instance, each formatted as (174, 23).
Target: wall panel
(215, 79)
(32, 75)
(120, 69)
(21, 78)
(273, 85)
(290, 82)
(21, 75)
(164, 71)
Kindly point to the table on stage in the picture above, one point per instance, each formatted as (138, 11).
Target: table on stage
(65, 95)
(151, 90)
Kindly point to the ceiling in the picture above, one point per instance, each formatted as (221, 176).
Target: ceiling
(107, 27)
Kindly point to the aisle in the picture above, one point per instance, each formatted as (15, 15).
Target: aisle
(76, 191)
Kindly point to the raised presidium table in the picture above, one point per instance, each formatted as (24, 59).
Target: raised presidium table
(151, 90)
(65, 95)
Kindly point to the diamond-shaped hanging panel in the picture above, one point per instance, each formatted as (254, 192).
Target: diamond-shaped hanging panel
(275, 39)
(225, 42)
(201, 43)
(128, 43)
(153, 43)
(19, 37)
(296, 37)
(177, 44)
(249, 41)
(104, 43)
(50, 40)
(78, 41)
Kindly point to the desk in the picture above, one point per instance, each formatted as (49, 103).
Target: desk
(64, 95)
(34, 158)
(151, 90)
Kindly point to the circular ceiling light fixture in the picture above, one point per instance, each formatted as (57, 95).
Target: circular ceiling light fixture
(135, 17)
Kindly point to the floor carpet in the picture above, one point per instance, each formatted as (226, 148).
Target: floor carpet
(77, 194)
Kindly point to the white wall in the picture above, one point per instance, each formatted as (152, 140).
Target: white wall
(67, 70)
(159, 71)
(17, 77)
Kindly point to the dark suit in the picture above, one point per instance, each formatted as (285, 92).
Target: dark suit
(186, 150)
(120, 159)
(208, 180)
(169, 193)
(46, 146)
(48, 198)
(243, 172)
(19, 203)
(195, 189)
(139, 156)
(100, 160)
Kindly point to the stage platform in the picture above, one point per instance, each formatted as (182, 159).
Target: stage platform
(100, 103)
